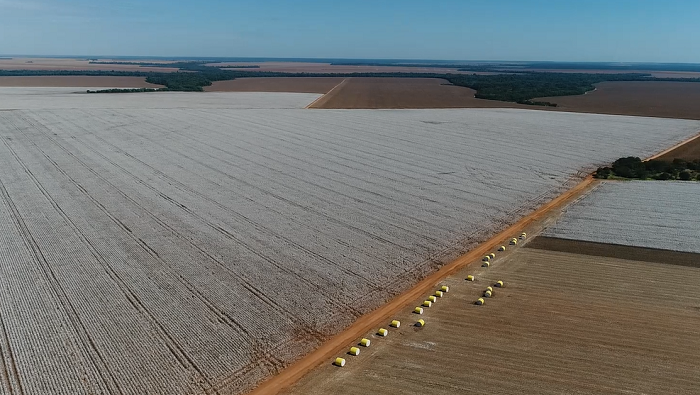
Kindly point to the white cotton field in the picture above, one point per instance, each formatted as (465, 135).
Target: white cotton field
(652, 214)
(160, 249)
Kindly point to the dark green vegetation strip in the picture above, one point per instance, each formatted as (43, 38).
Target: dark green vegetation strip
(633, 167)
(616, 251)
(519, 88)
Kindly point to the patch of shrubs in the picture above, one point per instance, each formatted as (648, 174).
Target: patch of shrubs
(632, 167)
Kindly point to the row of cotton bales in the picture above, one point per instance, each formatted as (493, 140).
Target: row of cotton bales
(383, 332)
(488, 258)
(430, 300)
(489, 292)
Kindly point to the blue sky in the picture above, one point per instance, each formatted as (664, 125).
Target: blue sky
(564, 30)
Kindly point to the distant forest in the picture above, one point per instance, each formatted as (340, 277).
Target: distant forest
(520, 87)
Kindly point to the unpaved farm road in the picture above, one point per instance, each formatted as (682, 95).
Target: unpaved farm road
(299, 369)
(296, 371)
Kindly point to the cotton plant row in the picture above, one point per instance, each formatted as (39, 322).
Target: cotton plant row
(652, 214)
(184, 250)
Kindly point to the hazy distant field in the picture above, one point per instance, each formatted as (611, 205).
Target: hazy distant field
(76, 81)
(396, 93)
(651, 99)
(182, 243)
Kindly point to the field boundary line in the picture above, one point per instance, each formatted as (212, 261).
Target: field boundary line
(682, 143)
(300, 368)
(340, 84)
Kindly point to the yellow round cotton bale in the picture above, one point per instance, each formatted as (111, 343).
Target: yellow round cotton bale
(480, 302)
(502, 248)
(513, 242)
(486, 264)
(427, 303)
(432, 298)
(382, 332)
(365, 342)
(439, 294)
(354, 351)
(492, 255)
(487, 294)
(499, 284)
(418, 310)
(395, 323)
(445, 288)
(339, 362)
(489, 289)
(486, 258)
(471, 278)
(420, 323)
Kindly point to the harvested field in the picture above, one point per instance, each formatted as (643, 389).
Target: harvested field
(276, 84)
(72, 64)
(564, 323)
(612, 214)
(76, 81)
(395, 93)
(151, 246)
(649, 99)
(688, 151)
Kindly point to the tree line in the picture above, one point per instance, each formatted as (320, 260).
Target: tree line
(633, 167)
(520, 88)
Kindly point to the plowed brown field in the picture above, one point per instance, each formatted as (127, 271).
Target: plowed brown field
(76, 81)
(564, 323)
(651, 99)
(375, 93)
(277, 84)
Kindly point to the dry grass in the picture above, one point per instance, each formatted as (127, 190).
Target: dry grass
(378, 93)
(76, 81)
(277, 84)
(652, 99)
(565, 323)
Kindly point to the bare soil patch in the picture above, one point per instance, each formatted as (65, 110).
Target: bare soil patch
(640, 98)
(76, 81)
(616, 251)
(73, 65)
(274, 84)
(377, 93)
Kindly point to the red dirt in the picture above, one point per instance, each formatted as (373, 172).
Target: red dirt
(276, 84)
(293, 373)
(76, 81)
(640, 98)
(374, 93)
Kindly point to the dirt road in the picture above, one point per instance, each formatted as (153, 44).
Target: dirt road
(297, 370)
